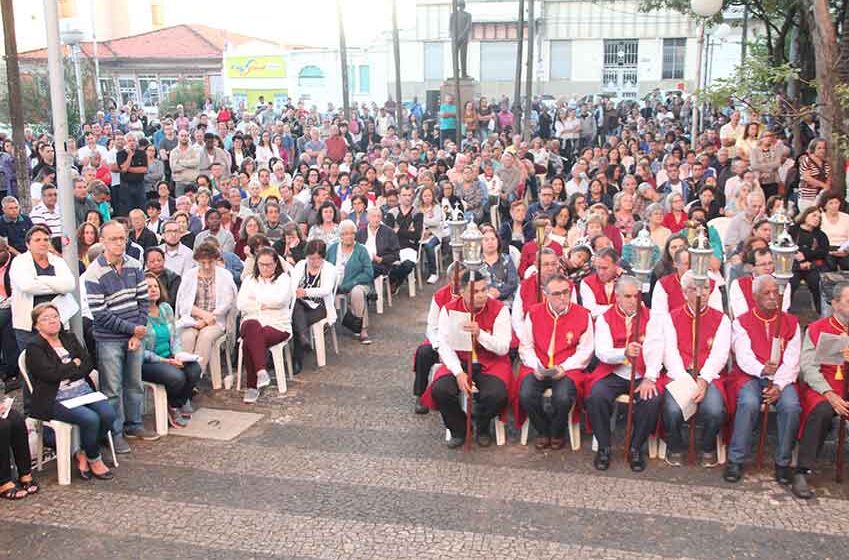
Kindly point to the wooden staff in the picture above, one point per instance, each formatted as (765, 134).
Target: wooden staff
(473, 359)
(629, 421)
(691, 450)
(765, 413)
(540, 239)
(841, 430)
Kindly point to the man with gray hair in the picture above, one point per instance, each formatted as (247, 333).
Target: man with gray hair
(14, 225)
(767, 344)
(619, 335)
(670, 345)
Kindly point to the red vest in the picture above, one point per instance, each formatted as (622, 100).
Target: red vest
(486, 319)
(675, 293)
(597, 288)
(809, 398)
(621, 337)
(565, 329)
(685, 323)
(443, 295)
(528, 291)
(762, 332)
(745, 283)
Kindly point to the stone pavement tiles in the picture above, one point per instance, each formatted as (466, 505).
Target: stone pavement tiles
(340, 468)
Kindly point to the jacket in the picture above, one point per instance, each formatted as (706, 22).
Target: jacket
(46, 371)
(386, 243)
(358, 270)
(325, 289)
(26, 284)
(166, 313)
(275, 295)
(225, 296)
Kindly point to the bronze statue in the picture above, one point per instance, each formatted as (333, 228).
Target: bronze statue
(461, 30)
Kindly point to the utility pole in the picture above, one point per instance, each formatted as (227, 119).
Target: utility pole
(396, 47)
(343, 56)
(16, 110)
(59, 112)
(744, 37)
(529, 73)
(517, 86)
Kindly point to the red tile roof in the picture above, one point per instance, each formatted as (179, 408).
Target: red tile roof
(169, 43)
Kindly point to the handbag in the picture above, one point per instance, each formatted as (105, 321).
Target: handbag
(352, 322)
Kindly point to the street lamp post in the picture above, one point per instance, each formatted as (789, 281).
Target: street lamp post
(705, 9)
(72, 38)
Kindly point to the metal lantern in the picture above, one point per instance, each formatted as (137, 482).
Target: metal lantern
(539, 229)
(778, 223)
(472, 246)
(456, 225)
(783, 250)
(700, 254)
(643, 247)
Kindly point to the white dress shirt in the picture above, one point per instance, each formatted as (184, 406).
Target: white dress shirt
(738, 304)
(661, 349)
(788, 369)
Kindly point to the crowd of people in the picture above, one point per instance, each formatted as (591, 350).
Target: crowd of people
(250, 223)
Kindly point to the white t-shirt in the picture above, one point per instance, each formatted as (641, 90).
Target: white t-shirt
(111, 159)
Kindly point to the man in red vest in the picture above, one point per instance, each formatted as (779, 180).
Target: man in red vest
(821, 389)
(767, 344)
(526, 295)
(529, 250)
(491, 377)
(672, 343)
(598, 289)
(555, 346)
(619, 335)
(427, 353)
(668, 294)
(740, 299)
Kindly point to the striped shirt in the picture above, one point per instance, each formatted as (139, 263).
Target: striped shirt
(41, 215)
(806, 166)
(118, 301)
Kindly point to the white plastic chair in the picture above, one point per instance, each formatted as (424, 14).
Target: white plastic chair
(500, 430)
(160, 406)
(281, 355)
(720, 224)
(574, 427)
(653, 440)
(515, 256)
(65, 434)
(381, 283)
(227, 341)
(437, 251)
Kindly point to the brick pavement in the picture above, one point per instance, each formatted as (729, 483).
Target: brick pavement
(341, 468)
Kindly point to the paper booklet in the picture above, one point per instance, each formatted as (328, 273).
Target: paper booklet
(830, 349)
(682, 390)
(458, 339)
(5, 407)
(186, 357)
(84, 399)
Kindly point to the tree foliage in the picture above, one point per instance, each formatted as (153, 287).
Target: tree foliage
(189, 94)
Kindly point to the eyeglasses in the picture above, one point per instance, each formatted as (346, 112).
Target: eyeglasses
(266, 264)
(559, 294)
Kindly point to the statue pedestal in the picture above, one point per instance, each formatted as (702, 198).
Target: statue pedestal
(468, 90)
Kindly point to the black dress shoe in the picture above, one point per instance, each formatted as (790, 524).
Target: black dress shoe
(420, 408)
(733, 472)
(602, 459)
(455, 442)
(636, 460)
(12, 384)
(783, 475)
(484, 439)
(297, 366)
(800, 487)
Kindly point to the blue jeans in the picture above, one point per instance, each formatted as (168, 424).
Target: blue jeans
(94, 421)
(121, 382)
(748, 415)
(429, 250)
(179, 382)
(711, 414)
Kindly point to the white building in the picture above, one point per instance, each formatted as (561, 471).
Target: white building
(581, 47)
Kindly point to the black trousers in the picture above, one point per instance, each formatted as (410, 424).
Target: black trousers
(423, 361)
(303, 317)
(490, 399)
(14, 438)
(816, 430)
(812, 279)
(600, 405)
(563, 394)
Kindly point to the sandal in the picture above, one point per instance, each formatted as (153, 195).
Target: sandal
(14, 493)
(31, 486)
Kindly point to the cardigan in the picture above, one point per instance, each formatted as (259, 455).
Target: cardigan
(26, 283)
(225, 297)
(46, 371)
(358, 270)
(275, 295)
(166, 315)
(325, 288)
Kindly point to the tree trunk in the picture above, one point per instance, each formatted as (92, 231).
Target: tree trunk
(824, 40)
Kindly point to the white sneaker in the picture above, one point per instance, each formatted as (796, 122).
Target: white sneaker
(432, 279)
(251, 396)
(262, 379)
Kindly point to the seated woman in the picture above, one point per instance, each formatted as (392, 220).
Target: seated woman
(59, 368)
(812, 254)
(154, 261)
(313, 279)
(291, 246)
(161, 346)
(326, 226)
(266, 317)
(353, 266)
(256, 243)
(207, 294)
(433, 228)
(503, 278)
(14, 437)
(251, 226)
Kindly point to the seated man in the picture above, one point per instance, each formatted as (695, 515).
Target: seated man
(355, 278)
(619, 336)
(821, 389)
(381, 241)
(555, 346)
(529, 249)
(767, 365)
(490, 379)
(530, 292)
(668, 293)
(670, 345)
(740, 299)
(597, 289)
(427, 354)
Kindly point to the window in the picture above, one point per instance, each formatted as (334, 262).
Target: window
(364, 82)
(674, 51)
(620, 52)
(561, 60)
(127, 90)
(107, 88)
(149, 90)
(311, 76)
(498, 61)
(434, 62)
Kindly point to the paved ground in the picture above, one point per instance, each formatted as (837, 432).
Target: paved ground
(340, 468)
